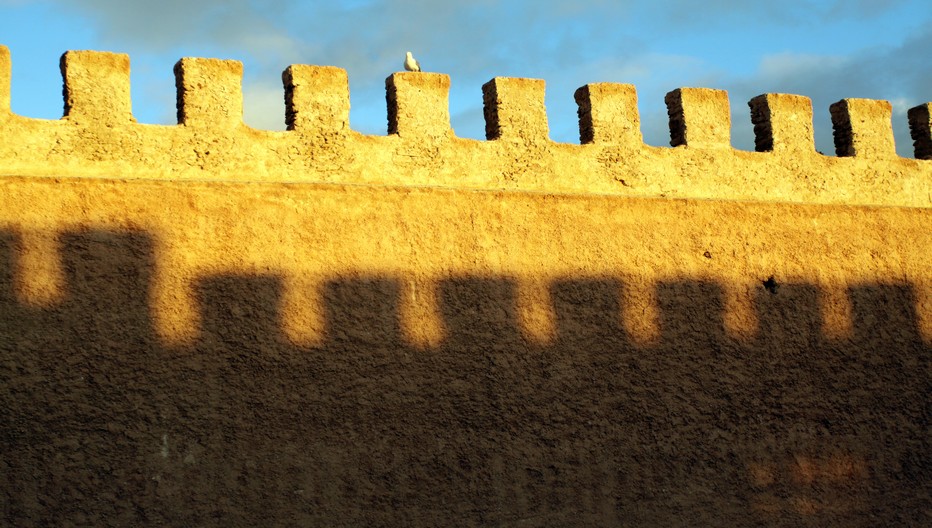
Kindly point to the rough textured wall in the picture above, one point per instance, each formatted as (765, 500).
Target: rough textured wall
(97, 137)
(210, 325)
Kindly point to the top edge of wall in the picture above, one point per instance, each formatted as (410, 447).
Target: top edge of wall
(98, 137)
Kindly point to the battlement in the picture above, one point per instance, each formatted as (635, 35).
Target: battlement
(206, 323)
(98, 137)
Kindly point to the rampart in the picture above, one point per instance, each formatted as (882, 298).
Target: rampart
(207, 324)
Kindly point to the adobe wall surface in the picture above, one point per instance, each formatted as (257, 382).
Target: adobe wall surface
(211, 325)
(98, 137)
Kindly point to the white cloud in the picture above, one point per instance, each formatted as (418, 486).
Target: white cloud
(785, 65)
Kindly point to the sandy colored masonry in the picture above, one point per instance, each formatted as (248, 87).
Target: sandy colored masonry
(311, 233)
(208, 324)
(97, 137)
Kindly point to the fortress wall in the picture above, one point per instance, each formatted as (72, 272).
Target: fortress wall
(207, 324)
(97, 137)
(310, 233)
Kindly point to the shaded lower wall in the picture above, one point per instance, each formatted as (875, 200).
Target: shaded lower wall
(104, 424)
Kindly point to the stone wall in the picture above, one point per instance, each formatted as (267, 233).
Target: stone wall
(207, 324)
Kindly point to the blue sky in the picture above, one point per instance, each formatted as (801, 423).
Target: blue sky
(823, 49)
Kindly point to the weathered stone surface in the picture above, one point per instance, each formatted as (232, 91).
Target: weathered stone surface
(699, 118)
(862, 128)
(96, 88)
(608, 113)
(208, 324)
(418, 105)
(316, 99)
(514, 109)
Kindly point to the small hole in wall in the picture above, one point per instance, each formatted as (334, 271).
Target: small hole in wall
(770, 284)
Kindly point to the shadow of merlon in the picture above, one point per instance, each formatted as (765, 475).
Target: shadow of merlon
(103, 423)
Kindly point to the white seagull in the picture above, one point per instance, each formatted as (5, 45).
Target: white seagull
(411, 63)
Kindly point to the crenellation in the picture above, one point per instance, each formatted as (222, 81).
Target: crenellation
(782, 122)
(418, 104)
(210, 92)
(514, 109)
(862, 128)
(608, 113)
(699, 118)
(316, 99)
(98, 137)
(96, 88)
(920, 128)
(321, 327)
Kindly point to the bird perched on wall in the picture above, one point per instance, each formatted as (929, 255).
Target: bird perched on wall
(411, 63)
